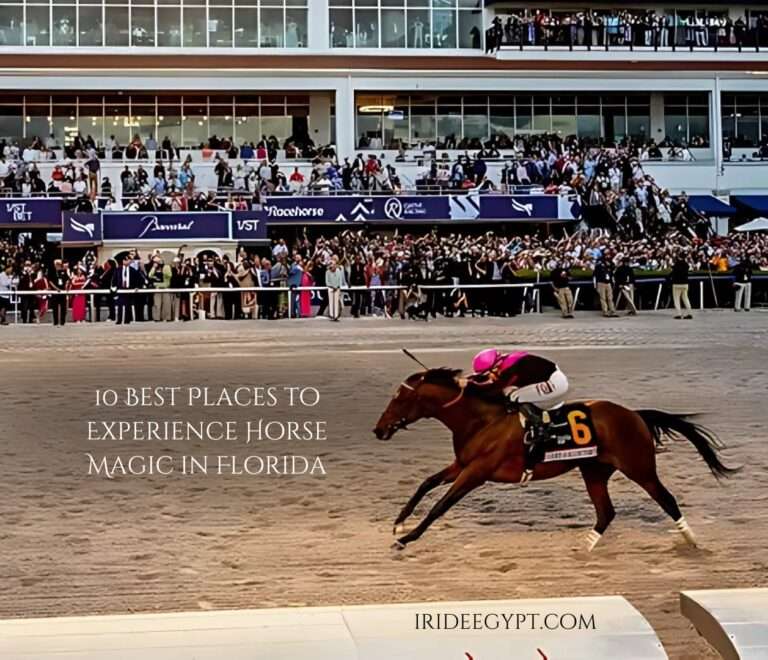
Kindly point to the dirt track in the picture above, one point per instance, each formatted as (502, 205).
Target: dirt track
(77, 545)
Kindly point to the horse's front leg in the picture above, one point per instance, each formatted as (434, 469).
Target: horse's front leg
(472, 476)
(445, 476)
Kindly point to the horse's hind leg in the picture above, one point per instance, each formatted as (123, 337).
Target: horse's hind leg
(666, 501)
(596, 476)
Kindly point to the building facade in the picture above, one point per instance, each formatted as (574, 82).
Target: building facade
(394, 76)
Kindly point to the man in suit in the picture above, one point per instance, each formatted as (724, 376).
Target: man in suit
(125, 277)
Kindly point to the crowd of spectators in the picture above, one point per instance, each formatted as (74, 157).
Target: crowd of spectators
(607, 28)
(362, 259)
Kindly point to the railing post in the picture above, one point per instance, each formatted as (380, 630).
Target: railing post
(16, 307)
(701, 294)
(658, 297)
(290, 302)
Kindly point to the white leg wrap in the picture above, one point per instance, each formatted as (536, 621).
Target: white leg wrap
(683, 527)
(593, 538)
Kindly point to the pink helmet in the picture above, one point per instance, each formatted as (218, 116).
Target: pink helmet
(485, 360)
(492, 357)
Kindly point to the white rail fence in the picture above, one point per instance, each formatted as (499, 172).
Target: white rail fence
(530, 299)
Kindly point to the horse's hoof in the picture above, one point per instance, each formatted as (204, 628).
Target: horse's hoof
(397, 545)
(398, 529)
(593, 538)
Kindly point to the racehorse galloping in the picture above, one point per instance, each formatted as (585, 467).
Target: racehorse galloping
(488, 446)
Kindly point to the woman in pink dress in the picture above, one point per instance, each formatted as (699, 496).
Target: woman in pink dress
(78, 302)
(41, 284)
(305, 297)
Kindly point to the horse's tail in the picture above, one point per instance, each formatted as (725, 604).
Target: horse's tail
(662, 424)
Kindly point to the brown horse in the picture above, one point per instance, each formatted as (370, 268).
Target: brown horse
(488, 446)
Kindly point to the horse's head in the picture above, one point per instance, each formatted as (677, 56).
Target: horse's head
(419, 396)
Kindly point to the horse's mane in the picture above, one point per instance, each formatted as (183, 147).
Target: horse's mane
(447, 376)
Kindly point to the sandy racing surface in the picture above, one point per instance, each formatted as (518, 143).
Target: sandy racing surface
(73, 544)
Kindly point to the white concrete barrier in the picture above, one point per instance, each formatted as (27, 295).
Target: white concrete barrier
(492, 630)
(733, 621)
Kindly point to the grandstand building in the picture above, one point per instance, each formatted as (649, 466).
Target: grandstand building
(395, 77)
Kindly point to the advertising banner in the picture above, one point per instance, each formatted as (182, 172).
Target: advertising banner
(248, 226)
(28, 212)
(416, 208)
(162, 226)
(81, 228)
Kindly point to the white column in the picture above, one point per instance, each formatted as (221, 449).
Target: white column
(318, 25)
(320, 117)
(345, 118)
(657, 117)
(716, 130)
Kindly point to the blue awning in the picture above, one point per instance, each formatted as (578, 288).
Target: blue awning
(711, 206)
(756, 204)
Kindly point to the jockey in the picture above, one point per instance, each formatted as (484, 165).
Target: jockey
(532, 383)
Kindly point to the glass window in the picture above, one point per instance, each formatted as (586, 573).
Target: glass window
(11, 124)
(396, 128)
(502, 120)
(423, 128)
(116, 119)
(169, 120)
(676, 123)
(588, 121)
(116, 32)
(392, 28)
(38, 25)
(169, 27)
(64, 119)
(246, 27)
(195, 121)
(342, 34)
(91, 25)
(444, 29)
(247, 123)
(38, 119)
(271, 26)
(11, 32)
(143, 120)
(418, 28)
(448, 124)
(295, 28)
(221, 119)
(90, 120)
(542, 117)
(142, 26)
(64, 30)
(195, 28)
(220, 27)
(470, 29)
(367, 28)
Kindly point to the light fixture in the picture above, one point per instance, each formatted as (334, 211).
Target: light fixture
(376, 109)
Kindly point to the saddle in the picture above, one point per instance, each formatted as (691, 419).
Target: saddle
(570, 434)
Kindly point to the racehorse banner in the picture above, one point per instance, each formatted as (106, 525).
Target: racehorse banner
(418, 208)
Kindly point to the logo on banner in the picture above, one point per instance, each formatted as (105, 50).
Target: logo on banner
(393, 208)
(360, 213)
(18, 212)
(154, 226)
(247, 225)
(82, 228)
(464, 207)
(522, 208)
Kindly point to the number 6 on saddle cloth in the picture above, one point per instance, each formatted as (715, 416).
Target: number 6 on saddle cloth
(570, 434)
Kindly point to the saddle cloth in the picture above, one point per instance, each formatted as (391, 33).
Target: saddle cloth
(571, 434)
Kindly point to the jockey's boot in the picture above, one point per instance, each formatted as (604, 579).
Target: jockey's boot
(537, 425)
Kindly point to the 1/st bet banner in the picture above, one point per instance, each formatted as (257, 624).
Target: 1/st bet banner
(29, 212)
